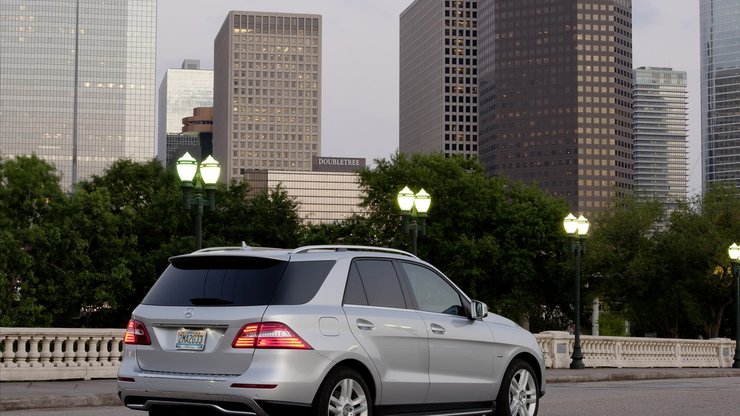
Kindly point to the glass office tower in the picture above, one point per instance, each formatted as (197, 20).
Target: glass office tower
(720, 91)
(77, 82)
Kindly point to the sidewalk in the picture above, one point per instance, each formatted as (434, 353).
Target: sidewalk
(59, 394)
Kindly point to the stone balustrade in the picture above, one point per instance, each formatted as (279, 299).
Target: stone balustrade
(625, 352)
(59, 353)
(68, 353)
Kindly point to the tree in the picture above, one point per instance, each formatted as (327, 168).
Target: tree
(30, 197)
(667, 273)
(267, 218)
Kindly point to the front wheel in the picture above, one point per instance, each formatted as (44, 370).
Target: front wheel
(343, 392)
(519, 392)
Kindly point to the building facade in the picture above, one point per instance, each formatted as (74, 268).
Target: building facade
(267, 92)
(438, 106)
(77, 83)
(196, 137)
(556, 88)
(180, 92)
(322, 197)
(660, 138)
(720, 90)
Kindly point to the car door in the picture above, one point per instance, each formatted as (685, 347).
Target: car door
(394, 336)
(460, 349)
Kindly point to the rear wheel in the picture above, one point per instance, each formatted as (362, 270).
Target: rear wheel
(343, 393)
(519, 392)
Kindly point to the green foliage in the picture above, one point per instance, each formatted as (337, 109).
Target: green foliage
(612, 325)
(88, 258)
(667, 273)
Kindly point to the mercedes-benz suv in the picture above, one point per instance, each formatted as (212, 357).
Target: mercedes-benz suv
(322, 330)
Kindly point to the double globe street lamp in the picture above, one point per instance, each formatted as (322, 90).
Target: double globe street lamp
(414, 207)
(193, 180)
(577, 228)
(734, 252)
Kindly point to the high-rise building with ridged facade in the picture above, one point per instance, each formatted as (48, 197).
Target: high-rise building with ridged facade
(660, 141)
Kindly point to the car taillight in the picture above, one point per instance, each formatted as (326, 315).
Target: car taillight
(269, 335)
(136, 334)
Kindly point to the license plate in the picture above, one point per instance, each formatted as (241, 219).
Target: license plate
(191, 340)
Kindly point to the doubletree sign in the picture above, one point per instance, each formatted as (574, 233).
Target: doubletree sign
(337, 164)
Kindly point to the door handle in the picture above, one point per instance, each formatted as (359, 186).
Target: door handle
(365, 325)
(437, 329)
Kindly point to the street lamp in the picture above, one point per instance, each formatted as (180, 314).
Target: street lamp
(193, 179)
(414, 207)
(734, 252)
(576, 228)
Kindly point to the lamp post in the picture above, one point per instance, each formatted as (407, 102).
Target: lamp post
(414, 207)
(576, 228)
(734, 252)
(193, 180)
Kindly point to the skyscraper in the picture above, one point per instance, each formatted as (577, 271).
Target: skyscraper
(660, 134)
(556, 87)
(439, 78)
(180, 92)
(77, 82)
(720, 91)
(267, 92)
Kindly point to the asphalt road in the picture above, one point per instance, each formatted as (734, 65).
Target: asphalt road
(705, 397)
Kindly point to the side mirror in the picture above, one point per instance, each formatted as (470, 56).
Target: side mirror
(478, 310)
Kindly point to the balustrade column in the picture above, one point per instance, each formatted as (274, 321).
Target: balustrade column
(45, 359)
(69, 352)
(21, 354)
(58, 354)
(80, 354)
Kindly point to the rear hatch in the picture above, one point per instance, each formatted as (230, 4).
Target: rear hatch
(198, 306)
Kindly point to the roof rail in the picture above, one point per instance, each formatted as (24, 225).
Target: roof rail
(209, 249)
(335, 247)
(244, 247)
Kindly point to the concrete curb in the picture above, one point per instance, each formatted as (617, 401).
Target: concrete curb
(60, 401)
(636, 376)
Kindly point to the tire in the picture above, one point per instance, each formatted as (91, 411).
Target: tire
(519, 394)
(343, 392)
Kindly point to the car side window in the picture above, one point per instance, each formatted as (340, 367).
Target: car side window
(432, 292)
(354, 293)
(380, 282)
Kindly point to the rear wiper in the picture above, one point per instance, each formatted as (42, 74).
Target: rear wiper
(210, 301)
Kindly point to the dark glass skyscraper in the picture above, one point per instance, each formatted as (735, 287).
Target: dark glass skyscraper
(77, 82)
(720, 91)
(555, 96)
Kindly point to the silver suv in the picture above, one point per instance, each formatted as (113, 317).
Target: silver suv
(322, 330)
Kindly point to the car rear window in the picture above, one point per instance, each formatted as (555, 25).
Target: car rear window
(236, 281)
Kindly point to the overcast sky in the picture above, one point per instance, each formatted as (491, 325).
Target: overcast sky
(360, 60)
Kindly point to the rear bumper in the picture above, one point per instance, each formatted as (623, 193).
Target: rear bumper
(225, 404)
